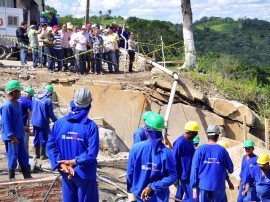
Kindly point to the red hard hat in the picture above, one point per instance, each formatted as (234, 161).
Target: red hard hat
(55, 27)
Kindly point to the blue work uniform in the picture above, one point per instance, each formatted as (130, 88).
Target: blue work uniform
(25, 104)
(153, 169)
(43, 19)
(183, 151)
(79, 140)
(245, 170)
(12, 124)
(262, 182)
(54, 21)
(42, 111)
(139, 135)
(208, 172)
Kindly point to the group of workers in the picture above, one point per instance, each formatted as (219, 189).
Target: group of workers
(72, 146)
(199, 172)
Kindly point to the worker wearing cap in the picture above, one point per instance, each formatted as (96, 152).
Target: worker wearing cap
(247, 193)
(183, 151)
(13, 131)
(42, 111)
(209, 166)
(151, 168)
(73, 148)
(260, 175)
(25, 103)
(140, 135)
(196, 141)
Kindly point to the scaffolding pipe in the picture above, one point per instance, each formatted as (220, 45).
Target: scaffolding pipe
(168, 110)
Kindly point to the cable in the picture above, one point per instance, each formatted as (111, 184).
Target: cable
(48, 192)
(77, 8)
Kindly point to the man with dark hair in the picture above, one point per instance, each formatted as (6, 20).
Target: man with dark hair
(73, 148)
(209, 166)
(23, 40)
(13, 131)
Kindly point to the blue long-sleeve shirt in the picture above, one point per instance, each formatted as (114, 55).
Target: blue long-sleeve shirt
(25, 104)
(54, 21)
(145, 168)
(11, 120)
(183, 151)
(71, 140)
(43, 19)
(262, 181)
(209, 166)
(246, 166)
(139, 135)
(42, 111)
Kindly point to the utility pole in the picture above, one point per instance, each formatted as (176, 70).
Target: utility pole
(87, 11)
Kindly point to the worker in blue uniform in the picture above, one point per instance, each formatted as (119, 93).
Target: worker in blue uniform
(25, 103)
(247, 193)
(150, 169)
(183, 151)
(140, 135)
(73, 147)
(260, 175)
(209, 166)
(13, 131)
(42, 112)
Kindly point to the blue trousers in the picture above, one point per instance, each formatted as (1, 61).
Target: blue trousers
(98, 62)
(251, 196)
(41, 136)
(58, 53)
(35, 56)
(23, 55)
(16, 152)
(80, 190)
(49, 52)
(184, 191)
(212, 196)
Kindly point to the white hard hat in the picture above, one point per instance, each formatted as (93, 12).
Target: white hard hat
(82, 97)
(213, 130)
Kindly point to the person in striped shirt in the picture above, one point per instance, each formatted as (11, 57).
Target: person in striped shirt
(57, 48)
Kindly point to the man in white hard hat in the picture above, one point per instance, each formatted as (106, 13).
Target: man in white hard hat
(73, 148)
(209, 166)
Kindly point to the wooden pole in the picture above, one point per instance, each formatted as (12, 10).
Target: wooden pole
(245, 127)
(266, 134)
(87, 11)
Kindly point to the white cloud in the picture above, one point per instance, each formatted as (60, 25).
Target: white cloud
(169, 10)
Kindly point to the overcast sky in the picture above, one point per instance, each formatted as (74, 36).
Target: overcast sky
(168, 10)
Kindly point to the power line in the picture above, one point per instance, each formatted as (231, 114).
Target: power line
(77, 8)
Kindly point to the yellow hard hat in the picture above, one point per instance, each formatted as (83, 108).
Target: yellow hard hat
(263, 159)
(192, 126)
(223, 144)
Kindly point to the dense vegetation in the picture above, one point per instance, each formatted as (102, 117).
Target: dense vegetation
(232, 54)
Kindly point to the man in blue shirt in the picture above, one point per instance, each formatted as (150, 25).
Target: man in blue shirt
(260, 174)
(151, 168)
(247, 193)
(73, 148)
(209, 166)
(42, 112)
(54, 20)
(13, 131)
(25, 103)
(183, 151)
(140, 135)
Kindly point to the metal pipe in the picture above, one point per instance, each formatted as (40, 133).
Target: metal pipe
(48, 192)
(103, 179)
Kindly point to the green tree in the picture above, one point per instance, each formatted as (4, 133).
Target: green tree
(109, 11)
